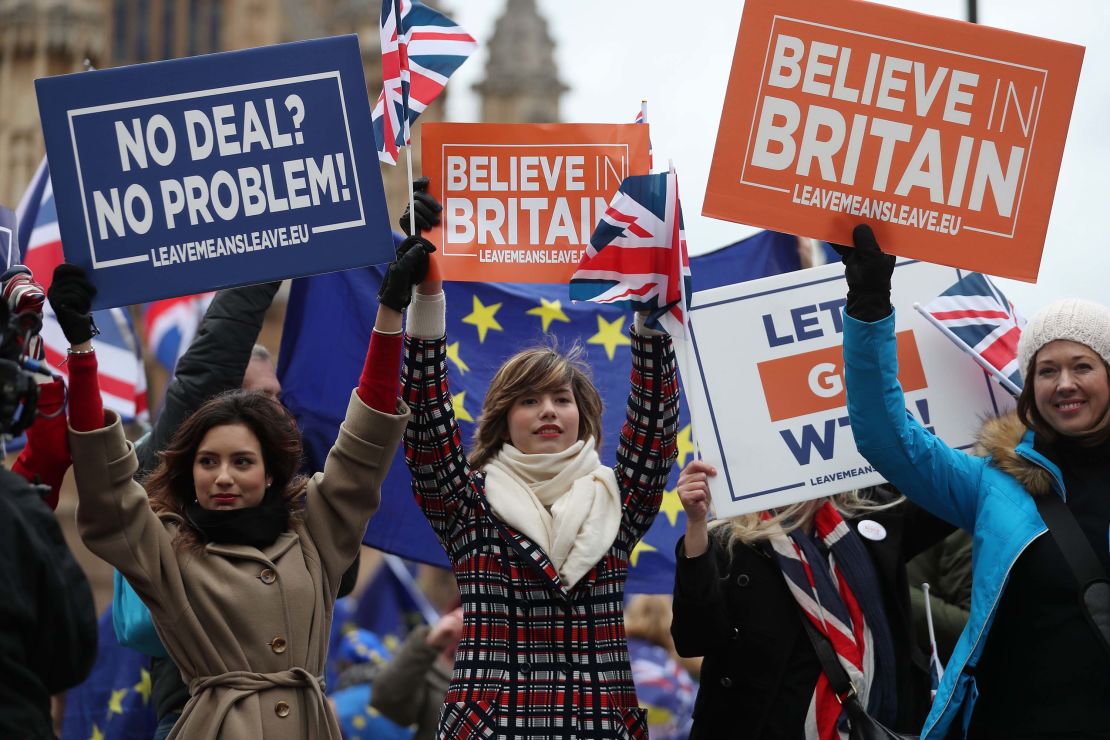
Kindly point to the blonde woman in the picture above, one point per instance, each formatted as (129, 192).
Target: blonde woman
(744, 585)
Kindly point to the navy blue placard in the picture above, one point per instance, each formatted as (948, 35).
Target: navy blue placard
(227, 169)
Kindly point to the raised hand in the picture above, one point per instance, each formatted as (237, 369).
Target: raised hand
(867, 270)
(70, 296)
(693, 490)
(427, 209)
(409, 269)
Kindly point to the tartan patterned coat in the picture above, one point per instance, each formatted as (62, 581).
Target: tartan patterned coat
(537, 661)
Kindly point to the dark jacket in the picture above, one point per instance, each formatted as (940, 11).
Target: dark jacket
(737, 612)
(538, 660)
(47, 618)
(215, 361)
(409, 689)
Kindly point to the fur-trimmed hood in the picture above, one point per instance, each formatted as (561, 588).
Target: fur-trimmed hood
(998, 439)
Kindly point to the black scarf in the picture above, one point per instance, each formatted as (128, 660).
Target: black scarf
(254, 526)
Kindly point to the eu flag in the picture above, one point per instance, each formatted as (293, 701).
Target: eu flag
(327, 326)
(114, 701)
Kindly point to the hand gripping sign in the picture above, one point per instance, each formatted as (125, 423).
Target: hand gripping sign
(227, 169)
(767, 389)
(520, 201)
(944, 136)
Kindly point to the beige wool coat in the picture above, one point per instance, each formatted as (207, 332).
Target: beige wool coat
(248, 628)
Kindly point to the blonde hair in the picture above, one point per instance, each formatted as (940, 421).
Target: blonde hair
(542, 369)
(648, 617)
(750, 529)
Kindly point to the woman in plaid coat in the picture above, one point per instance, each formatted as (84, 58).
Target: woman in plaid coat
(538, 533)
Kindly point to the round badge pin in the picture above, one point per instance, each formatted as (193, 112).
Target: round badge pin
(872, 530)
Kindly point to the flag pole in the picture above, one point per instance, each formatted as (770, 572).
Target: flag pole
(932, 634)
(412, 195)
(406, 77)
(687, 361)
(994, 372)
(401, 573)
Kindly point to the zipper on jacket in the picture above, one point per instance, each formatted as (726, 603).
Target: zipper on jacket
(988, 620)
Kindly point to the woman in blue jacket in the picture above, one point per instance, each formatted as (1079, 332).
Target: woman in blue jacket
(1029, 664)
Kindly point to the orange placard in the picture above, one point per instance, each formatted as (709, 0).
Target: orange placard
(521, 200)
(811, 382)
(945, 136)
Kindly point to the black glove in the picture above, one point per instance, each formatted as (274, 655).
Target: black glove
(867, 269)
(70, 296)
(407, 270)
(427, 208)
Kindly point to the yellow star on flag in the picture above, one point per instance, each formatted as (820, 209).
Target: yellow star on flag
(453, 356)
(457, 400)
(483, 318)
(143, 686)
(609, 335)
(671, 506)
(640, 547)
(685, 446)
(97, 734)
(548, 311)
(359, 722)
(115, 703)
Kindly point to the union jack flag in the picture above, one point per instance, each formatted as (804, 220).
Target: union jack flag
(637, 254)
(975, 315)
(119, 357)
(421, 48)
(171, 325)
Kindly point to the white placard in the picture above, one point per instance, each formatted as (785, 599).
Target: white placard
(766, 388)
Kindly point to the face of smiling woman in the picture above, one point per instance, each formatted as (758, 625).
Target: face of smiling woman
(1070, 387)
(544, 422)
(228, 471)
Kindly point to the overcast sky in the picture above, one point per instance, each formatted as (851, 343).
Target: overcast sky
(613, 53)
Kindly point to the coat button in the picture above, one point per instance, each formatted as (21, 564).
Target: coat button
(281, 709)
(267, 576)
(566, 667)
(726, 682)
(278, 645)
(524, 668)
(743, 580)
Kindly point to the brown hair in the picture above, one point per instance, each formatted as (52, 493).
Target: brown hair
(170, 485)
(537, 370)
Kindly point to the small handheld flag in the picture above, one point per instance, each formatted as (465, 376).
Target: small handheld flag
(637, 254)
(421, 48)
(979, 319)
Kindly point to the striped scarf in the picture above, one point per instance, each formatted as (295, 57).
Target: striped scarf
(839, 594)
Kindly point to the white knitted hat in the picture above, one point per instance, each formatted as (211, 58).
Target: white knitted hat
(1073, 319)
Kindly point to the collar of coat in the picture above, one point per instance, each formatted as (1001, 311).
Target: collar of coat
(1009, 444)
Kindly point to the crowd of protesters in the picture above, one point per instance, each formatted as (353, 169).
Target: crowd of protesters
(800, 622)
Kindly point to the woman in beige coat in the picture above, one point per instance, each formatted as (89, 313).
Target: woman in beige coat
(238, 558)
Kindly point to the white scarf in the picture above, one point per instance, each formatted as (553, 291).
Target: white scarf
(566, 502)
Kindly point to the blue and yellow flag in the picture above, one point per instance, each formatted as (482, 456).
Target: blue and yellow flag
(327, 326)
(114, 701)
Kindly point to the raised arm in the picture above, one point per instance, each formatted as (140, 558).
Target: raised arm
(346, 494)
(647, 446)
(918, 463)
(215, 362)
